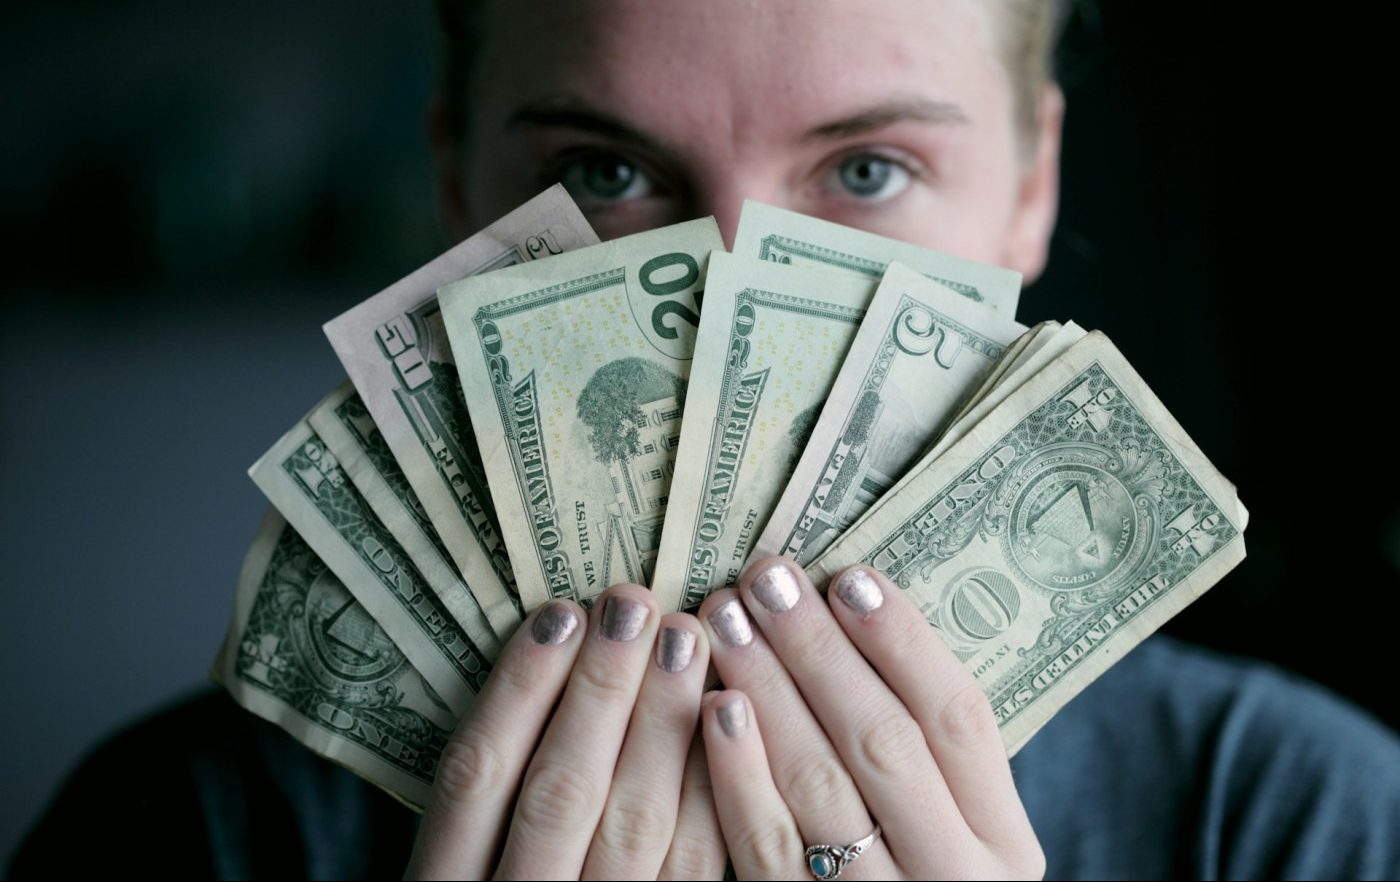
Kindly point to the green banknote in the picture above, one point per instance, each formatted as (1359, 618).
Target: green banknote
(304, 481)
(1036, 349)
(1060, 530)
(302, 653)
(395, 351)
(344, 424)
(787, 237)
(771, 341)
(919, 352)
(574, 371)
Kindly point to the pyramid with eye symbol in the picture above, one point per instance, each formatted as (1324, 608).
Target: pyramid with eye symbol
(1070, 520)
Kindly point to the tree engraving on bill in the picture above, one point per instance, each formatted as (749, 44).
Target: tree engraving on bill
(575, 384)
(328, 674)
(611, 406)
(1059, 536)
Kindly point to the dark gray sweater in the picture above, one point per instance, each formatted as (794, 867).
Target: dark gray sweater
(1177, 763)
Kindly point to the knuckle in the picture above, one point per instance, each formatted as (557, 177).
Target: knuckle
(890, 744)
(469, 768)
(817, 646)
(816, 785)
(914, 639)
(633, 827)
(768, 849)
(966, 719)
(604, 683)
(555, 797)
(515, 675)
(694, 856)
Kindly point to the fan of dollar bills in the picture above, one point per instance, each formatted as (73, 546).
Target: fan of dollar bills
(535, 415)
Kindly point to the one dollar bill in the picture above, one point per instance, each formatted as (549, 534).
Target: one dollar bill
(574, 371)
(1057, 533)
(302, 653)
(302, 478)
(396, 352)
(349, 432)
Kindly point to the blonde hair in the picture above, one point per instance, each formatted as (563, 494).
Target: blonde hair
(1028, 32)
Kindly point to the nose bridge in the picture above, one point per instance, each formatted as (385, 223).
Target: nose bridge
(724, 194)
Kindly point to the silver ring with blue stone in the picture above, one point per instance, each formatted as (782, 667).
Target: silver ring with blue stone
(827, 861)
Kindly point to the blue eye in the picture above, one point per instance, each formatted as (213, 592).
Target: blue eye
(869, 177)
(603, 177)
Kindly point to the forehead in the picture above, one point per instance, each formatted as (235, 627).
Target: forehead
(742, 68)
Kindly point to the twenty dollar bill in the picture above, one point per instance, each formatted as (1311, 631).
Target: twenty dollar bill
(786, 237)
(574, 371)
(395, 350)
(771, 341)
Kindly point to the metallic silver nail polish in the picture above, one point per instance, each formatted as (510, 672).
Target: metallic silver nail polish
(675, 649)
(731, 623)
(554, 624)
(860, 591)
(777, 589)
(733, 717)
(623, 618)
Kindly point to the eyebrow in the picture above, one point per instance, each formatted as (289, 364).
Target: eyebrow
(570, 113)
(919, 110)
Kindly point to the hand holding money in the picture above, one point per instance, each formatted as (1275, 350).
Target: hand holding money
(570, 682)
(535, 418)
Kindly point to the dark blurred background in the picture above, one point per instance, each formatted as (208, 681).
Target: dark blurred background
(189, 191)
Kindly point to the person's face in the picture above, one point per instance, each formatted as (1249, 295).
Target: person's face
(895, 116)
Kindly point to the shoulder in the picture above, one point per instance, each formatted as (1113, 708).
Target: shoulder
(206, 789)
(1183, 761)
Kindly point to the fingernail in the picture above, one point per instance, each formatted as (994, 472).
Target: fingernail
(860, 591)
(623, 618)
(554, 624)
(733, 717)
(731, 623)
(675, 650)
(777, 589)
